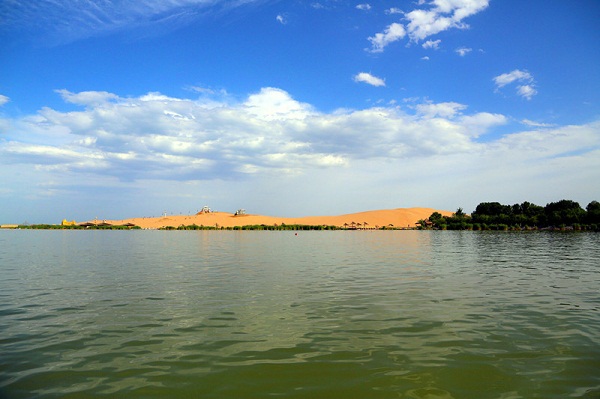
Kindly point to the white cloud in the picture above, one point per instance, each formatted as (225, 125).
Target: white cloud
(200, 89)
(444, 110)
(391, 34)
(364, 7)
(553, 143)
(516, 75)
(369, 79)
(272, 103)
(426, 58)
(462, 51)
(526, 89)
(3, 99)
(528, 122)
(444, 14)
(422, 23)
(432, 44)
(281, 19)
(393, 10)
(87, 97)
(480, 123)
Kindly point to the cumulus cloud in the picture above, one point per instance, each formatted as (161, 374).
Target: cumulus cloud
(391, 34)
(432, 44)
(525, 89)
(462, 51)
(281, 19)
(365, 77)
(364, 7)
(3, 99)
(444, 14)
(272, 103)
(422, 23)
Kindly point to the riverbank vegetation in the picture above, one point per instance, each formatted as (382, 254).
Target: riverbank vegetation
(561, 215)
(77, 227)
(282, 226)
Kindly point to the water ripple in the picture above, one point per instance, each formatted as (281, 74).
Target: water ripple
(328, 314)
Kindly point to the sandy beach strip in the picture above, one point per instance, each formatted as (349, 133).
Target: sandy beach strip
(397, 218)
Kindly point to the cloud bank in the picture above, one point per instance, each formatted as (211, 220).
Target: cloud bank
(159, 137)
(270, 135)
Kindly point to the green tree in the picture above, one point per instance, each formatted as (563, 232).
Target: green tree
(564, 212)
(459, 213)
(593, 212)
(437, 220)
(492, 209)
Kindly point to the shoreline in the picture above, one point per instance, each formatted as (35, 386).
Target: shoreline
(390, 218)
(399, 218)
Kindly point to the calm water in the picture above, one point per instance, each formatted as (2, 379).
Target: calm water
(342, 314)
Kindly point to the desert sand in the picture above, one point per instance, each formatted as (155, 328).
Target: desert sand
(397, 218)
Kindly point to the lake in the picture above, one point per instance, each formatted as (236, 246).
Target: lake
(320, 314)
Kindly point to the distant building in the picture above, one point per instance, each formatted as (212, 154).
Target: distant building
(65, 222)
(240, 212)
(205, 209)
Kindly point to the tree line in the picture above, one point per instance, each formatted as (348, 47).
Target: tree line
(560, 215)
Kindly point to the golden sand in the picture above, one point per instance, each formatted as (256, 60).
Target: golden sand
(397, 218)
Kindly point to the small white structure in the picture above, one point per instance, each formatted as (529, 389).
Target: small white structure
(240, 212)
(205, 209)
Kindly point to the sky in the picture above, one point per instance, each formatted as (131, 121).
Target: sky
(116, 109)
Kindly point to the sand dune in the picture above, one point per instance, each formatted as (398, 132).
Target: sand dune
(398, 218)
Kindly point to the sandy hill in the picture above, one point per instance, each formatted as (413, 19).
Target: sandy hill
(398, 218)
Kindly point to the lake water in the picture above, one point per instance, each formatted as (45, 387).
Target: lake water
(321, 314)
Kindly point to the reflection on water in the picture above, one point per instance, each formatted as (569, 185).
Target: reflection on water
(331, 314)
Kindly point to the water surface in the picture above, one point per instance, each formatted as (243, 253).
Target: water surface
(324, 314)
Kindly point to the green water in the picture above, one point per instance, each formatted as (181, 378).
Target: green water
(330, 314)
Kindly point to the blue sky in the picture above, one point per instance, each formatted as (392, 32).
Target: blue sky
(116, 109)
